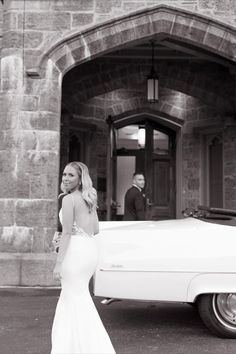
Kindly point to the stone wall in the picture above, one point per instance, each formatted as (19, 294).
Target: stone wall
(229, 163)
(35, 26)
(33, 64)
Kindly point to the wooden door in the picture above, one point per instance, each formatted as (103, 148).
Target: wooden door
(160, 172)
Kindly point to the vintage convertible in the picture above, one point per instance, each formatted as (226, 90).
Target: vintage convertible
(189, 260)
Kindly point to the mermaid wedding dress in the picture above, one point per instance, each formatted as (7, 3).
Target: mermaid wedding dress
(77, 327)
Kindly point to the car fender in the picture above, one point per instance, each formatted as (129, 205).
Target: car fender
(211, 283)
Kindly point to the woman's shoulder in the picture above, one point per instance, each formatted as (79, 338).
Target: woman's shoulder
(76, 197)
(66, 199)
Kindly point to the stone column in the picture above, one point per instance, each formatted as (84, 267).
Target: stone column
(29, 168)
(229, 158)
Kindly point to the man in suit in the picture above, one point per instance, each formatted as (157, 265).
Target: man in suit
(135, 199)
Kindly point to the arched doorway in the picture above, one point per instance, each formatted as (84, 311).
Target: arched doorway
(166, 25)
(144, 143)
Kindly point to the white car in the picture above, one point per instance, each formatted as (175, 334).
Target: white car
(186, 260)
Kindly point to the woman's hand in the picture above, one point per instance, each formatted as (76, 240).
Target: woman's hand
(57, 271)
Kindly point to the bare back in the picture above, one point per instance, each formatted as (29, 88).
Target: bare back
(84, 219)
(76, 211)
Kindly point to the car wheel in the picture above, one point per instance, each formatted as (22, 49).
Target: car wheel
(218, 312)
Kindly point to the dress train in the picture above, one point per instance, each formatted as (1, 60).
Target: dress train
(77, 327)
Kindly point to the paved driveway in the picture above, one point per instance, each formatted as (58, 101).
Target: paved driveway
(135, 328)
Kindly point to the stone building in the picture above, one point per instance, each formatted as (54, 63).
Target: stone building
(73, 87)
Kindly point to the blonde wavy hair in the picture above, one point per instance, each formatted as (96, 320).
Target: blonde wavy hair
(89, 193)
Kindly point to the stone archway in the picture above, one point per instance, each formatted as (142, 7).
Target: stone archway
(162, 21)
(137, 114)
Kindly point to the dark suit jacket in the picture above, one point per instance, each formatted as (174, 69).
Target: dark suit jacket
(134, 205)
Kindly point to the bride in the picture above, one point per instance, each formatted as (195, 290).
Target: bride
(77, 327)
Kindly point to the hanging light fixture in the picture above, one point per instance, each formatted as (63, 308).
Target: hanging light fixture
(152, 82)
(141, 136)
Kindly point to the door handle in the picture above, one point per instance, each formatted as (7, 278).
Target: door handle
(149, 203)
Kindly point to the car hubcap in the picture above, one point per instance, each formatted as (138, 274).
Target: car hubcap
(224, 306)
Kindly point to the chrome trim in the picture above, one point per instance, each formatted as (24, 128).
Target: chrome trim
(224, 307)
(163, 271)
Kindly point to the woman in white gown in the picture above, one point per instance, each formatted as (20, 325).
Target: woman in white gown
(77, 327)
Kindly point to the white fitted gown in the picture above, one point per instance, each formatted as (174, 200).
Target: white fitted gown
(77, 327)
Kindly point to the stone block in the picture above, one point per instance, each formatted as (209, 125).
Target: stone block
(26, 140)
(48, 246)
(38, 240)
(37, 162)
(16, 239)
(38, 120)
(7, 161)
(48, 141)
(38, 5)
(214, 37)
(13, 39)
(33, 86)
(78, 53)
(230, 155)
(81, 19)
(228, 45)
(7, 53)
(10, 21)
(8, 185)
(8, 85)
(42, 241)
(186, 28)
(7, 207)
(30, 162)
(13, 5)
(129, 6)
(51, 88)
(103, 18)
(6, 139)
(38, 269)
(9, 269)
(12, 69)
(50, 103)
(41, 213)
(206, 4)
(225, 6)
(143, 26)
(28, 269)
(46, 21)
(33, 39)
(230, 182)
(73, 5)
(116, 3)
(103, 6)
(30, 103)
(122, 33)
(31, 59)
(22, 188)
(38, 186)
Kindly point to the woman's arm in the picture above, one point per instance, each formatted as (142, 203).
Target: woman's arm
(68, 219)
